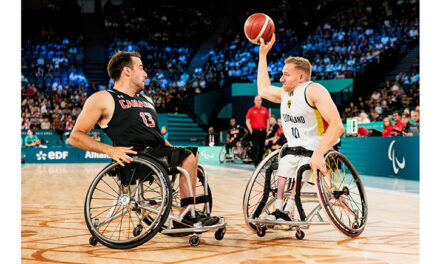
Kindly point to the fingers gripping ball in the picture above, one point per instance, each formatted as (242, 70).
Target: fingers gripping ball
(258, 26)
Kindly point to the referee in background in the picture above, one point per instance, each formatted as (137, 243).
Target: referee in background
(257, 121)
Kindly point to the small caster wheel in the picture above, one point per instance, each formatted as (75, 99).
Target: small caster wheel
(220, 233)
(137, 230)
(299, 234)
(93, 241)
(355, 225)
(194, 241)
(261, 231)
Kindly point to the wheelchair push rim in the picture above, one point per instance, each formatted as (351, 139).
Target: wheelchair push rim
(254, 194)
(116, 205)
(342, 195)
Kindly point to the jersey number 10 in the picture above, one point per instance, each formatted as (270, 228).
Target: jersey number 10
(295, 132)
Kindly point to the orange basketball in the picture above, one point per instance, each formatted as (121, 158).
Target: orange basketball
(258, 26)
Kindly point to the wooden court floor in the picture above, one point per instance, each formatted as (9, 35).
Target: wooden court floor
(53, 229)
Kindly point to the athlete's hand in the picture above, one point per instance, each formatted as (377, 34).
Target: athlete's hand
(264, 48)
(317, 162)
(119, 154)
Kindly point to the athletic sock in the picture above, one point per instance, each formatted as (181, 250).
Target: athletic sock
(279, 204)
(290, 204)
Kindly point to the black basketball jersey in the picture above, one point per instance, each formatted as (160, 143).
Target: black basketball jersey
(236, 132)
(134, 122)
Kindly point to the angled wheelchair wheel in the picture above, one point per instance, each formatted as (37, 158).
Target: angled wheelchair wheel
(203, 195)
(342, 195)
(120, 199)
(247, 154)
(260, 195)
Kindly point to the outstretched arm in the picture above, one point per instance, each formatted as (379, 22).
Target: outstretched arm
(265, 89)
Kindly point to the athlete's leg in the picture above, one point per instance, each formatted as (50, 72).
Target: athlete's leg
(190, 165)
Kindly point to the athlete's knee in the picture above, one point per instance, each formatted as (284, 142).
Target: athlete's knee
(190, 160)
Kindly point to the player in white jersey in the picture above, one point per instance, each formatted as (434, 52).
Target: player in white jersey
(311, 121)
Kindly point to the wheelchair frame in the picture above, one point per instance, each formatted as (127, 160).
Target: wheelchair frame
(261, 225)
(136, 202)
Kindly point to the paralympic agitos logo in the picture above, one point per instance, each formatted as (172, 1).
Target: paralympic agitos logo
(394, 160)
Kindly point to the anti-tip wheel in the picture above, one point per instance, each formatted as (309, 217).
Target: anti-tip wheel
(194, 241)
(261, 231)
(220, 233)
(93, 241)
(300, 234)
(137, 230)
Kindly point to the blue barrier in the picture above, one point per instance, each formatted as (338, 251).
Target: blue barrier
(63, 155)
(387, 157)
(75, 155)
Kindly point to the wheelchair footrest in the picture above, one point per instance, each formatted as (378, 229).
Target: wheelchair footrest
(197, 228)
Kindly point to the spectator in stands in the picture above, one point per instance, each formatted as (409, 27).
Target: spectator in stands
(374, 116)
(387, 127)
(25, 123)
(416, 118)
(29, 140)
(211, 139)
(38, 144)
(69, 123)
(362, 132)
(45, 124)
(96, 136)
(363, 118)
(398, 124)
(409, 129)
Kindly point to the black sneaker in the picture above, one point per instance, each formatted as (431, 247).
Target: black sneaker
(282, 215)
(188, 220)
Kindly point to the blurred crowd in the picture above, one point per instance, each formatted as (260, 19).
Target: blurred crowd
(358, 35)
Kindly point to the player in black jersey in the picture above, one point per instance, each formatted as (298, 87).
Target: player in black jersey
(131, 122)
(236, 133)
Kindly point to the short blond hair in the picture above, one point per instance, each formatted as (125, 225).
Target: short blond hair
(301, 63)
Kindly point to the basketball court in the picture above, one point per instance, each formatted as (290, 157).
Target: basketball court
(53, 228)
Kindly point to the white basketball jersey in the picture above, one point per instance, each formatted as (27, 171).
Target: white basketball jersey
(303, 125)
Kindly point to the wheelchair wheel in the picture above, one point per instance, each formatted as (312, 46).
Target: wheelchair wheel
(222, 154)
(121, 198)
(342, 195)
(205, 195)
(260, 194)
(247, 154)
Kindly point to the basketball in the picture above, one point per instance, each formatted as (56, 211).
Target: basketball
(258, 26)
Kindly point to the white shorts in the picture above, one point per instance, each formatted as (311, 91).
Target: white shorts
(289, 164)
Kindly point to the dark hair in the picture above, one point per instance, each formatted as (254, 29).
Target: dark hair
(405, 115)
(118, 61)
(398, 113)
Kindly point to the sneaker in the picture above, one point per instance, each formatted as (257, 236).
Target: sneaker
(189, 221)
(280, 215)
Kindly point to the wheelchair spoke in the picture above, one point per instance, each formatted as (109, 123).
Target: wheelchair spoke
(104, 192)
(109, 186)
(107, 219)
(99, 213)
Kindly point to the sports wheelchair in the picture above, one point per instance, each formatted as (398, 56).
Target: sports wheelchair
(128, 205)
(340, 193)
(241, 151)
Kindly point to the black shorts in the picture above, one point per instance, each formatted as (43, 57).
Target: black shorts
(174, 155)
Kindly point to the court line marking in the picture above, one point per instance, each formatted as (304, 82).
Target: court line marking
(408, 194)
